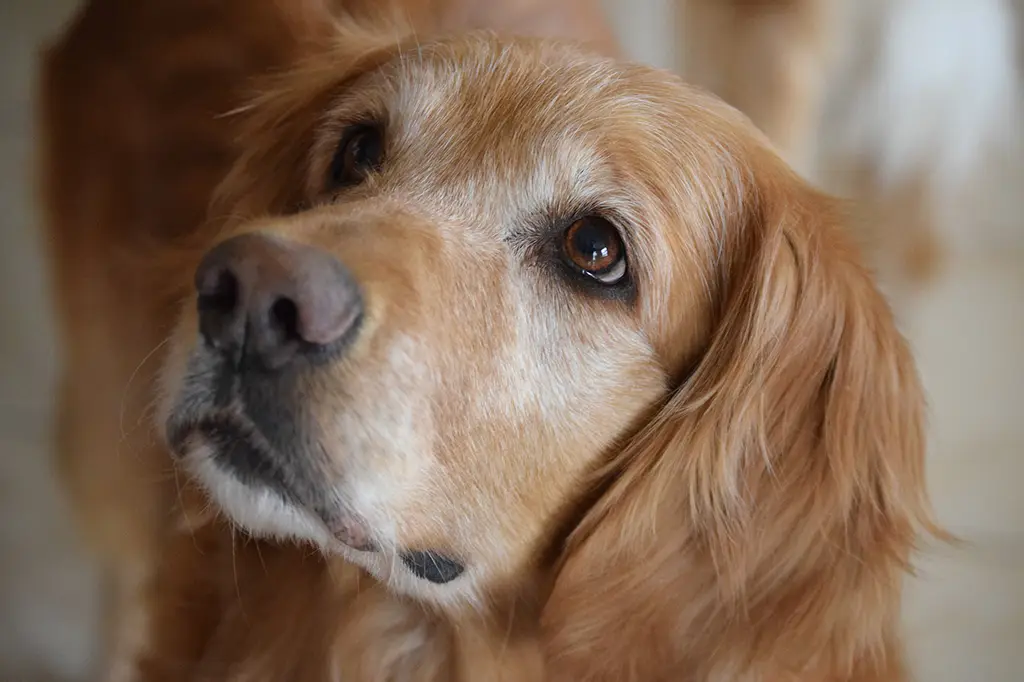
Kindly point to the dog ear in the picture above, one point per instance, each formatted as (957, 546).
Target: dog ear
(760, 523)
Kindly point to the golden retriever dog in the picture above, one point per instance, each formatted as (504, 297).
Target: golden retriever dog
(488, 358)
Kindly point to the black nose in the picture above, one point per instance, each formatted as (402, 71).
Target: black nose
(266, 301)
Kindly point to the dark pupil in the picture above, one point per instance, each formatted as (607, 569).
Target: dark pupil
(592, 242)
(365, 150)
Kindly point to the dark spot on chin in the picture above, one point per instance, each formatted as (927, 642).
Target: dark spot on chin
(432, 566)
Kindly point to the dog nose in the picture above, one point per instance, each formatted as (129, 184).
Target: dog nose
(266, 300)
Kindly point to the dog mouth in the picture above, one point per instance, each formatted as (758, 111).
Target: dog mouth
(253, 428)
(212, 413)
(248, 430)
(240, 450)
(235, 448)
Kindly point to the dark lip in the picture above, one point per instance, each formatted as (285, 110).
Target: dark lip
(432, 566)
(240, 450)
(211, 409)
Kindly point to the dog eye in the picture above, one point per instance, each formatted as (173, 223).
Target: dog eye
(360, 153)
(593, 247)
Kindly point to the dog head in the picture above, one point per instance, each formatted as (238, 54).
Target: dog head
(488, 310)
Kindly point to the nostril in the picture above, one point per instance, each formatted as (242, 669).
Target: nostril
(263, 301)
(219, 293)
(218, 302)
(284, 319)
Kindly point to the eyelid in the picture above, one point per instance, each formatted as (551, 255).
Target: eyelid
(619, 267)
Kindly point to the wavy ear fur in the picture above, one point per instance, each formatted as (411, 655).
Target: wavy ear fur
(759, 526)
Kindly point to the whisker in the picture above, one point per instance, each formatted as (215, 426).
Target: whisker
(131, 379)
(234, 572)
(260, 555)
(184, 510)
(508, 631)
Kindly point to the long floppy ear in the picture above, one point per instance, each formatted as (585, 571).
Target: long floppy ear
(759, 526)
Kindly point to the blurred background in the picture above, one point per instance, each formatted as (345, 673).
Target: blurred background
(925, 94)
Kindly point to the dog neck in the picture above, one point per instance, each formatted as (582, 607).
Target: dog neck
(244, 609)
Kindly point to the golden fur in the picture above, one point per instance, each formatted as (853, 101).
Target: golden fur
(718, 477)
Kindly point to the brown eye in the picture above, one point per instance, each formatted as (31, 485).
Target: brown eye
(360, 152)
(593, 247)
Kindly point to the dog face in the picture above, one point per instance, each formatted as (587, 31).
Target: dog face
(479, 202)
(476, 294)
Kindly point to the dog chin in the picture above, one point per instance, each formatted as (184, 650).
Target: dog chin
(259, 511)
(263, 513)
